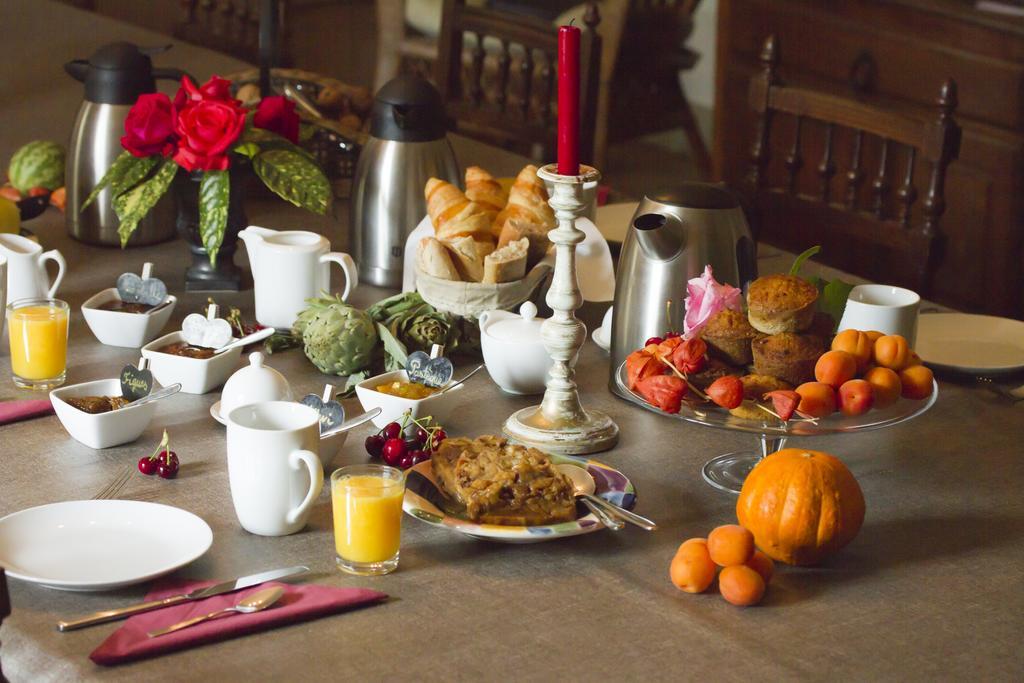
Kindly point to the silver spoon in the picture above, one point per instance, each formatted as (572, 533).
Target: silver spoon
(584, 487)
(258, 335)
(350, 424)
(160, 393)
(604, 516)
(254, 603)
(455, 384)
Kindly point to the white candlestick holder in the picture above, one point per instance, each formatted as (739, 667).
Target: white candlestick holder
(560, 424)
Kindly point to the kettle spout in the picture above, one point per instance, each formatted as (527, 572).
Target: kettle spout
(659, 235)
(78, 69)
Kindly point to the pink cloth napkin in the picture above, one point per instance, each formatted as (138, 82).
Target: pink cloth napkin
(299, 603)
(13, 411)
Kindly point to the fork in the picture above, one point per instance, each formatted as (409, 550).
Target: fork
(114, 487)
(1015, 394)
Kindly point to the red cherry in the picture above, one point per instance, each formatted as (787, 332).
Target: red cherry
(374, 445)
(422, 456)
(168, 469)
(147, 465)
(406, 462)
(170, 459)
(653, 340)
(422, 435)
(672, 335)
(392, 430)
(439, 436)
(393, 451)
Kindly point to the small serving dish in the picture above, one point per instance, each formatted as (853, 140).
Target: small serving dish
(121, 328)
(196, 375)
(439, 405)
(100, 430)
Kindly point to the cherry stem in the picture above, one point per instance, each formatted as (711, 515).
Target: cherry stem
(683, 377)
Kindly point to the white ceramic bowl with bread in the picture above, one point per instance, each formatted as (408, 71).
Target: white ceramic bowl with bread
(487, 242)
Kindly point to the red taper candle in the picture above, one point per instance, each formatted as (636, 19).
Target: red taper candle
(568, 100)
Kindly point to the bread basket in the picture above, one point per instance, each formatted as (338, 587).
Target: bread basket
(470, 299)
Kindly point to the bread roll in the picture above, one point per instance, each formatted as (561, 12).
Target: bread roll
(452, 214)
(507, 263)
(468, 260)
(482, 188)
(436, 261)
(527, 201)
(537, 235)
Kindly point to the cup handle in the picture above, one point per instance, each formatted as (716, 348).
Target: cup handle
(296, 459)
(348, 266)
(58, 258)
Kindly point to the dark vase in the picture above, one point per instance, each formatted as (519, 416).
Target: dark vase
(201, 275)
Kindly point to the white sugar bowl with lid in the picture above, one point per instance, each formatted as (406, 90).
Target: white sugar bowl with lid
(514, 351)
(254, 383)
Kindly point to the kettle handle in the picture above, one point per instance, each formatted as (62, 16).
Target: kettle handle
(172, 74)
(78, 69)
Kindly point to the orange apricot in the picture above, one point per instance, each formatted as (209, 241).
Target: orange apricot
(885, 386)
(730, 544)
(873, 335)
(916, 381)
(891, 351)
(690, 545)
(691, 569)
(835, 367)
(816, 399)
(762, 564)
(857, 344)
(741, 585)
(855, 397)
(914, 359)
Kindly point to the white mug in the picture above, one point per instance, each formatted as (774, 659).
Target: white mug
(26, 268)
(273, 466)
(885, 308)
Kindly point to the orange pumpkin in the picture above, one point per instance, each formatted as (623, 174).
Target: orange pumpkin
(801, 505)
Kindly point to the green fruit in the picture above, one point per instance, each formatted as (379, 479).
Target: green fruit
(37, 164)
(339, 339)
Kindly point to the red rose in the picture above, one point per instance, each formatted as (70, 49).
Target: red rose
(277, 114)
(216, 89)
(207, 129)
(149, 126)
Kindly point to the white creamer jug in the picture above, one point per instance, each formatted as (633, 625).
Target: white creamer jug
(26, 268)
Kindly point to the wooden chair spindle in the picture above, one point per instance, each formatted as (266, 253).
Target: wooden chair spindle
(907, 194)
(501, 96)
(827, 167)
(855, 175)
(795, 159)
(476, 88)
(880, 187)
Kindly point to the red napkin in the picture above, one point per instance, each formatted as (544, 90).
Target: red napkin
(13, 411)
(299, 603)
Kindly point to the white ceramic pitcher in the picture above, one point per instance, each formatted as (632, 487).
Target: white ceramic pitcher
(289, 267)
(26, 268)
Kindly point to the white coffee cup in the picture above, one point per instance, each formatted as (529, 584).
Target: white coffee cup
(885, 308)
(273, 466)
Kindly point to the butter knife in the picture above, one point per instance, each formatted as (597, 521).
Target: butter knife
(198, 594)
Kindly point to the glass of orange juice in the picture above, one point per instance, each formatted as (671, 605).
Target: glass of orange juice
(38, 333)
(367, 518)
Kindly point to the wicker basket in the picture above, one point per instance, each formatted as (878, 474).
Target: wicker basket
(470, 299)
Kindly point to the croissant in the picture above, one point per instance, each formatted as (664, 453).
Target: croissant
(527, 202)
(452, 214)
(482, 188)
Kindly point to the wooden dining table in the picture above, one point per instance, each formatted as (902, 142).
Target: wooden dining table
(931, 589)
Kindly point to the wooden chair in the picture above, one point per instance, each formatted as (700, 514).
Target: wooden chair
(497, 77)
(229, 26)
(867, 218)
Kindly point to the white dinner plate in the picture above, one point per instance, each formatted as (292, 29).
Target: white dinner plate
(96, 545)
(979, 344)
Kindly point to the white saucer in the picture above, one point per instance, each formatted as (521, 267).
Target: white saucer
(600, 337)
(96, 545)
(978, 344)
(215, 414)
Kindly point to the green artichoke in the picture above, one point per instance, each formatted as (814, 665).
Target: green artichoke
(339, 339)
(415, 323)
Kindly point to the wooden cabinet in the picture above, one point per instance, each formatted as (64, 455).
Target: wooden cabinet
(897, 53)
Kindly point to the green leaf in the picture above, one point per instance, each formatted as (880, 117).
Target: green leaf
(214, 194)
(833, 299)
(395, 355)
(795, 268)
(248, 149)
(295, 178)
(126, 171)
(306, 131)
(133, 205)
(349, 388)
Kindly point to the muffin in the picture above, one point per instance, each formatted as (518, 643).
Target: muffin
(788, 356)
(781, 303)
(712, 371)
(728, 334)
(754, 389)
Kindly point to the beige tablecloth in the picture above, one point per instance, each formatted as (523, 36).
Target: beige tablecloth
(932, 589)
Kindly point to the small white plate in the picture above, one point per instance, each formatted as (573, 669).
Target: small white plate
(979, 344)
(600, 337)
(97, 545)
(215, 414)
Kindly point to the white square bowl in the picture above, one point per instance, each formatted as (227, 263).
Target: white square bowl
(101, 430)
(196, 375)
(117, 328)
(438, 406)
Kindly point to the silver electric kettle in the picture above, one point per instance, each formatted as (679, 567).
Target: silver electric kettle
(407, 146)
(671, 237)
(114, 77)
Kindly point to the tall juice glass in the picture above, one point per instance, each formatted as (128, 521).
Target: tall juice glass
(38, 333)
(367, 518)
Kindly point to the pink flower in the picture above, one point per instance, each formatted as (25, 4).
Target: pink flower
(705, 296)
